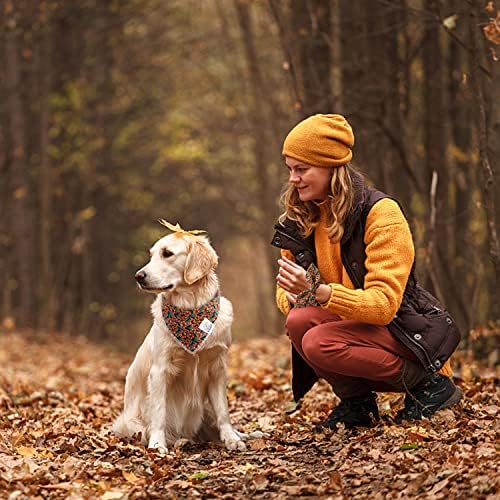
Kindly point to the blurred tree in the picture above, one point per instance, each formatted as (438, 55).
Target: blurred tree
(460, 155)
(489, 187)
(311, 27)
(44, 72)
(117, 113)
(21, 216)
(434, 144)
(265, 145)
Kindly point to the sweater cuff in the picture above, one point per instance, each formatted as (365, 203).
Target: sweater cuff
(359, 305)
(342, 299)
(282, 301)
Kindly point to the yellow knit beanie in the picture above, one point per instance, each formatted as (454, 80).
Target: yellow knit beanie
(321, 141)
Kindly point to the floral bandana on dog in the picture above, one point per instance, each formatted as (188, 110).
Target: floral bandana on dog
(191, 327)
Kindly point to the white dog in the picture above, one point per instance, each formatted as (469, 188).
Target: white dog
(175, 388)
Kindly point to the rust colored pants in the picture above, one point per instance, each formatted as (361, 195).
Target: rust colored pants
(355, 358)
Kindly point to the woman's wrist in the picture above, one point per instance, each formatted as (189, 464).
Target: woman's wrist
(323, 293)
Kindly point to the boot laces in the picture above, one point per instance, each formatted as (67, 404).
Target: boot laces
(414, 408)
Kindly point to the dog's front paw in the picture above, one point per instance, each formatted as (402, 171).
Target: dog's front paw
(162, 450)
(235, 444)
(157, 442)
(232, 440)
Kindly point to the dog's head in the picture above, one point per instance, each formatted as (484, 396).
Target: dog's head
(177, 260)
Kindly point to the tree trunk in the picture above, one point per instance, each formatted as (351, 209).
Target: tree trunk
(460, 120)
(45, 291)
(269, 318)
(336, 55)
(6, 241)
(492, 90)
(434, 140)
(22, 227)
(355, 73)
(311, 29)
(374, 112)
(288, 47)
(489, 184)
(399, 164)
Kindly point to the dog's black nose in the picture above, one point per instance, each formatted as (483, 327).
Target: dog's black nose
(140, 276)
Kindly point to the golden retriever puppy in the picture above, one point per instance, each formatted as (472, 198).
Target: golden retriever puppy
(175, 388)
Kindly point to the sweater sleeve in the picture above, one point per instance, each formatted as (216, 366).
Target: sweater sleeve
(281, 298)
(389, 258)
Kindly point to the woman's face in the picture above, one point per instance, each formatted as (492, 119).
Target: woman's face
(312, 183)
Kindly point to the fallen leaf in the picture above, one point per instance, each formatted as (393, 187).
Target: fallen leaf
(199, 475)
(130, 477)
(26, 451)
(417, 434)
(260, 481)
(335, 482)
(245, 467)
(257, 444)
(265, 423)
(486, 451)
(491, 410)
(113, 495)
(439, 486)
(409, 446)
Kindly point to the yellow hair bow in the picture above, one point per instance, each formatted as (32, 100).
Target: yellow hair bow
(178, 229)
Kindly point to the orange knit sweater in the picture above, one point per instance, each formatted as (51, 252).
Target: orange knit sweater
(389, 257)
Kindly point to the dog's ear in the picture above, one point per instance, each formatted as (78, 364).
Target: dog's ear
(200, 261)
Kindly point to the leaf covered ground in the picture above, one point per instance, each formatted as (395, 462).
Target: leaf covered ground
(58, 396)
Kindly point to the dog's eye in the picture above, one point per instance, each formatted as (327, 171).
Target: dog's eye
(166, 253)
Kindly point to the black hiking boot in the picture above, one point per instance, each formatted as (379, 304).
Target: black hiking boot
(429, 396)
(354, 412)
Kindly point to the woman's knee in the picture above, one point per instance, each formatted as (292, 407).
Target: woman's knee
(298, 322)
(320, 352)
(311, 348)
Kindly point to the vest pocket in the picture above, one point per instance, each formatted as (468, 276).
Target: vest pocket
(429, 328)
(441, 337)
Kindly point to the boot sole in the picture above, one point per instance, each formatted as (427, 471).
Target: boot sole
(453, 399)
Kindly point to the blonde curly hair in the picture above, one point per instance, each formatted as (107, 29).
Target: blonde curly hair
(307, 214)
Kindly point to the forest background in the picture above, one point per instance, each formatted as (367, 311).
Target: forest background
(117, 113)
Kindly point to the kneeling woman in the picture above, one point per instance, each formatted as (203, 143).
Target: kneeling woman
(355, 313)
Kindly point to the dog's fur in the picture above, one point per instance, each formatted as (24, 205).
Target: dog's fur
(171, 394)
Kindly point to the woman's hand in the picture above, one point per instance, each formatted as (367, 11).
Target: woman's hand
(291, 277)
(323, 293)
(292, 298)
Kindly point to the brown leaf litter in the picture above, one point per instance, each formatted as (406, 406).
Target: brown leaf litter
(59, 394)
